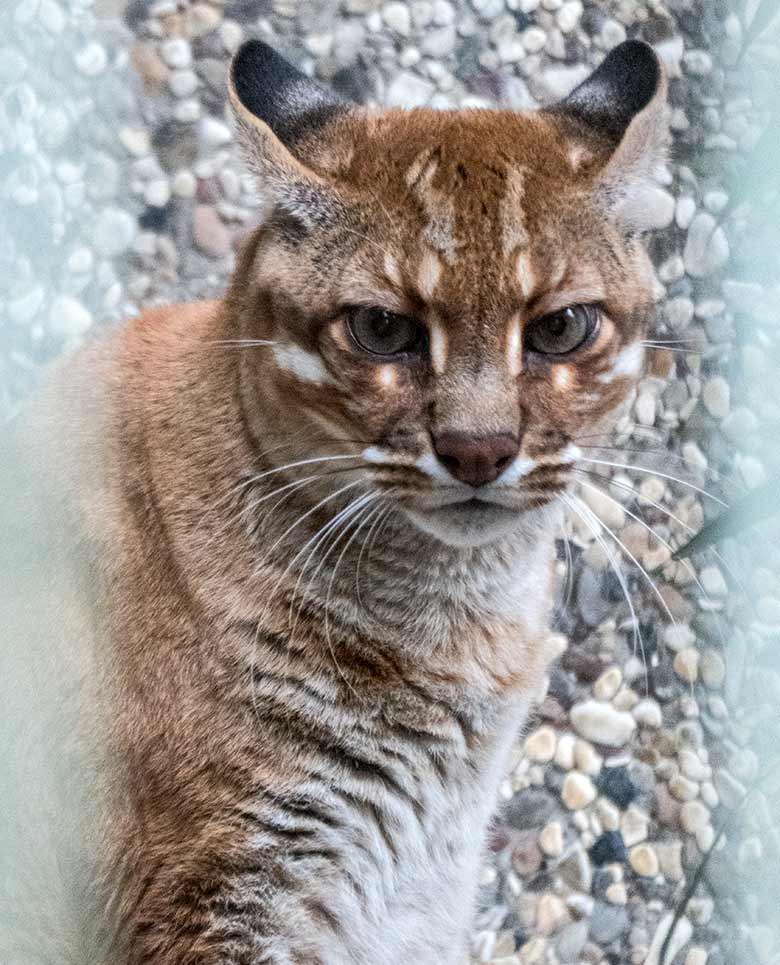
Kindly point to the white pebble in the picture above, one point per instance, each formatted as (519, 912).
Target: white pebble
(534, 39)
(69, 317)
(397, 17)
(716, 396)
(602, 724)
(569, 16)
(634, 826)
(706, 247)
(578, 791)
(647, 713)
(644, 860)
(540, 745)
(712, 581)
(91, 60)
(686, 664)
(608, 684)
(158, 193)
(694, 816)
(176, 53)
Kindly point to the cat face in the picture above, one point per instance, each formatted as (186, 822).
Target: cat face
(458, 296)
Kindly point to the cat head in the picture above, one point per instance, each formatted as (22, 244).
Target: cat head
(458, 296)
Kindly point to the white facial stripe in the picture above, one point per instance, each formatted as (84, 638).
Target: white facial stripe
(304, 365)
(627, 363)
(514, 347)
(392, 270)
(525, 275)
(570, 454)
(563, 377)
(387, 376)
(428, 275)
(438, 346)
(431, 466)
(522, 466)
(376, 456)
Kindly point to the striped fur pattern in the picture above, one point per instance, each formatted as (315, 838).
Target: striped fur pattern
(317, 644)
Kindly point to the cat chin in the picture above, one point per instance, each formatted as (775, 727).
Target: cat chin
(464, 525)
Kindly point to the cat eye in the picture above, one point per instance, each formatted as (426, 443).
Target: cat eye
(562, 332)
(385, 333)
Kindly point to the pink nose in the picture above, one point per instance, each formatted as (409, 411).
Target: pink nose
(474, 459)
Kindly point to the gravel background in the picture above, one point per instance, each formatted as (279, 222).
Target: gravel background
(120, 188)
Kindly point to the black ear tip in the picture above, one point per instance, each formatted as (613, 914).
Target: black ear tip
(256, 65)
(621, 86)
(635, 64)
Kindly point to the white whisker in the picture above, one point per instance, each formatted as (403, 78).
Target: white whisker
(655, 472)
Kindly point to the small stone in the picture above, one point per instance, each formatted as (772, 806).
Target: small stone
(530, 808)
(135, 141)
(645, 409)
(607, 923)
(696, 956)
(22, 309)
(69, 317)
(686, 664)
(602, 724)
(183, 83)
(694, 816)
(408, 90)
(658, 208)
(683, 789)
(91, 60)
(617, 894)
(158, 193)
(615, 783)
(678, 313)
(612, 33)
(570, 942)
(52, 16)
(693, 767)
(608, 684)
(712, 581)
(578, 791)
(185, 184)
(569, 16)
(608, 814)
(564, 752)
(540, 745)
(713, 669)
(575, 869)
(209, 233)
(113, 232)
(647, 713)
(586, 758)
(551, 839)
(684, 212)
(679, 636)
(670, 859)
(231, 34)
(697, 62)
(634, 826)
(608, 849)
(644, 860)
(201, 19)
(716, 396)
(398, 18)
(534, 39)
(526, 855)
(176, 53)
(706, 247)
(555, 83)
(550, 914)
(670, 52)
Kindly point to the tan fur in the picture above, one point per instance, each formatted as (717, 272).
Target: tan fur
(420, 656)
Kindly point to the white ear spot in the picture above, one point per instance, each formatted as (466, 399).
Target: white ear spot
(525, 275)
(563, 377)
(628, 362)
(428, 275)
(438, 346)
(304, 365)
(514, 347)
(387, 376)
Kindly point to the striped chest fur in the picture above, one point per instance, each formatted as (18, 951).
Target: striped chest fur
(320, 514)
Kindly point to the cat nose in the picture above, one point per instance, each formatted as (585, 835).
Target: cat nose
(474, 459)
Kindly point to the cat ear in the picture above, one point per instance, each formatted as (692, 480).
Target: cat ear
(622, 107)
(282, 118)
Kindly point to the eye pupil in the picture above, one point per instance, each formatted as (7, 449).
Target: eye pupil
(381, 332)
(562, 332)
